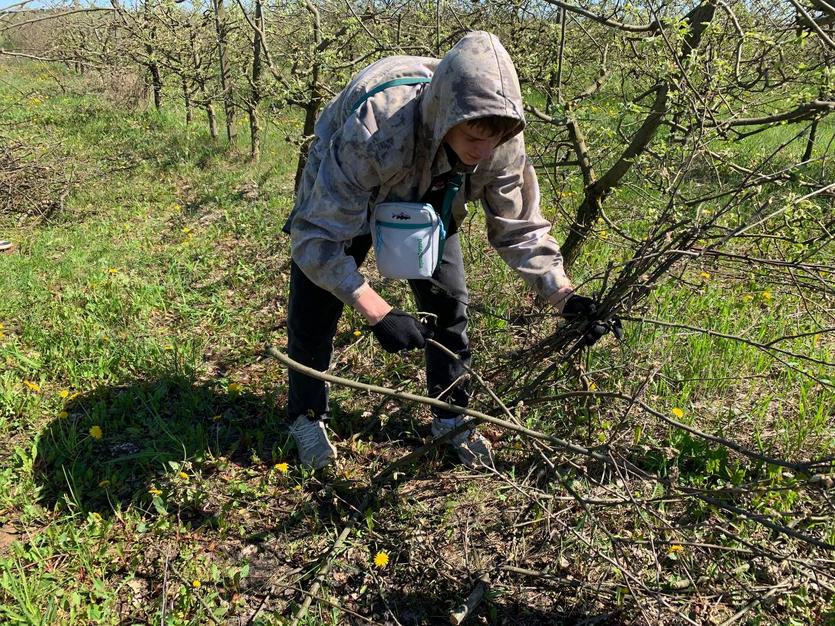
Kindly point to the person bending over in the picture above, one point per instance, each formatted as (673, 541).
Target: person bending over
(436, 132)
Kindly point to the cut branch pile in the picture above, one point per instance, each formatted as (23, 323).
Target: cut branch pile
(679, 554)
(31, 185)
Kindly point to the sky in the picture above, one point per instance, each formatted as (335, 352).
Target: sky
(40, 4)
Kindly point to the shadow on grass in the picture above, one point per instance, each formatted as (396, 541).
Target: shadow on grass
(116, 443)
(562, 609)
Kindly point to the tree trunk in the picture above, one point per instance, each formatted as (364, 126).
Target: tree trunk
(310, 112)
(225, 86)
(187, 100)
(156, 83)
(255, 97)
(79, 66)
(597, 190)
(810, 142)
(555, 77)
(153, 67)
(205, 101)
(311, 108)
(210, 114)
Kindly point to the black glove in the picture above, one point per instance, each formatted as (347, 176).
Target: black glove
(583, 308)
(400, 331)
(579, 307)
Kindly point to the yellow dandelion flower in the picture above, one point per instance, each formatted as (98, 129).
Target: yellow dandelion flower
(675, 549)
(678, 412)
(104, 484)
(766, 295)
(592, 387)
(381, 559)
(705, 275)
(186, 230)
(747, 297)
(33, 387)
(63, 415)
(282, 467)
(357, 333)
(154, 491)
(64, 394)
(196, 584)
(235, 388)
(96, 432)
(113, 270)
(604, 234)
(297, 488)
(183, 475)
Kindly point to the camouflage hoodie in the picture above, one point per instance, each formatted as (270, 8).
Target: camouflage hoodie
(389, 149)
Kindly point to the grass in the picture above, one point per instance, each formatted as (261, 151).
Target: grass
(141, 436)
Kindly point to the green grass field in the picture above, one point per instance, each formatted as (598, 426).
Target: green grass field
(146, 475)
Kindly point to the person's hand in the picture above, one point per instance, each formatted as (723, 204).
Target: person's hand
(585, 309)
(400, 331)
(579, 307)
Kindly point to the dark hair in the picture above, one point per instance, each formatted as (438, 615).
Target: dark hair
(496, 125)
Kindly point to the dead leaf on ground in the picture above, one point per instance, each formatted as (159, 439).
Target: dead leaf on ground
(8, 535)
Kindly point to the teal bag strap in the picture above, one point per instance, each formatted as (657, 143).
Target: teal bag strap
(408, 80)
(452, 186)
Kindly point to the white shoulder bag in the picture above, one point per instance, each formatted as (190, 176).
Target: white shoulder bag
(407, 239)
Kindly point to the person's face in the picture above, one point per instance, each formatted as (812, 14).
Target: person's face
(471, 143)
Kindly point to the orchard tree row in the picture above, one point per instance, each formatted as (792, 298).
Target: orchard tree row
(663, 96)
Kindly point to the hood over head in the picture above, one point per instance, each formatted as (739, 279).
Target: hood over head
(475, 79)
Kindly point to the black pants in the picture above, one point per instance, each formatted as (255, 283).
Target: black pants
(314, 313)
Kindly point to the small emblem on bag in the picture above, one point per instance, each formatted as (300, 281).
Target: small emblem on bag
(401, 216)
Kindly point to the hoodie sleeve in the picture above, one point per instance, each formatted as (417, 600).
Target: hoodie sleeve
(336, 211)
(517, 229)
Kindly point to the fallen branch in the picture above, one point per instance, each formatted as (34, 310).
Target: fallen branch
(463, 611)
(753, 603)
(327, 561)
(378, 481)
(761, 519)
(309, 371)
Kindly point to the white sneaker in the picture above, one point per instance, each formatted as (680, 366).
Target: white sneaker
(474, 451)
(312, 442)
